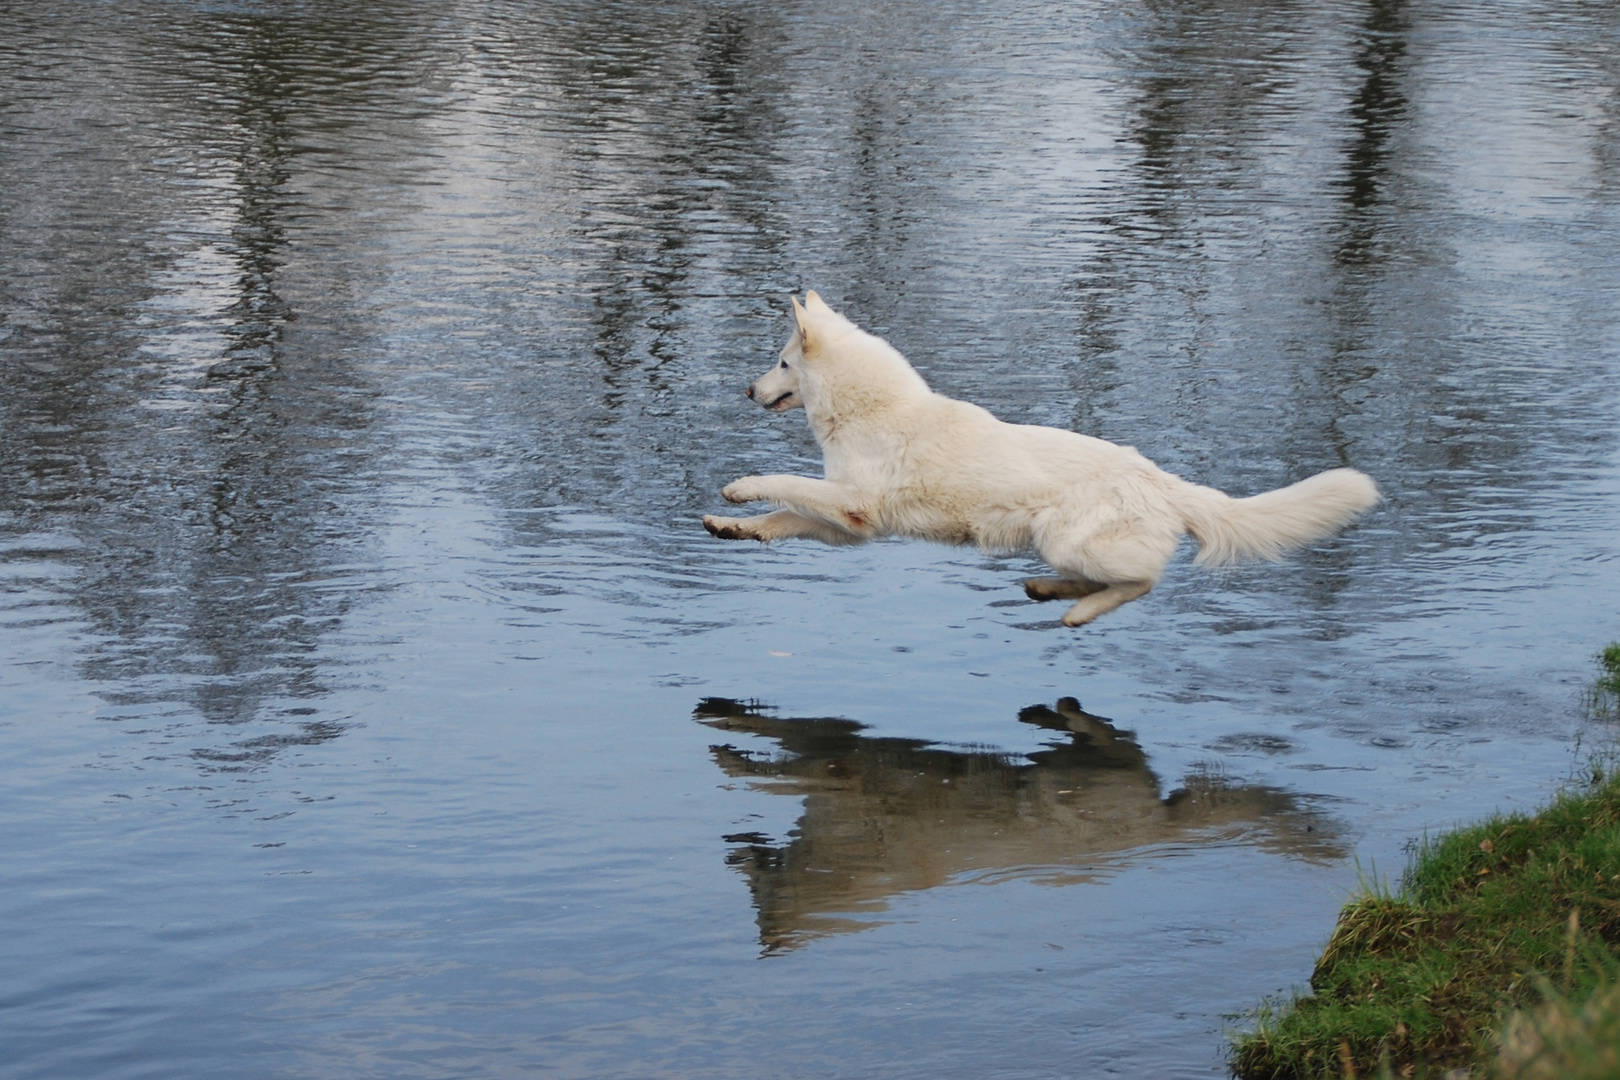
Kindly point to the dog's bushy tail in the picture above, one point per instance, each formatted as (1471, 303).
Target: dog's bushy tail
(1270, 525)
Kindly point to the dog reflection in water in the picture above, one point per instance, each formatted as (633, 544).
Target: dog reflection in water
(884, 816)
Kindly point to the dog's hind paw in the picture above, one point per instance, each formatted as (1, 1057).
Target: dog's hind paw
(1056, 588)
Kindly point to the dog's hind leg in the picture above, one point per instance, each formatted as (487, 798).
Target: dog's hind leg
(1060, 588)
(1101, 603)
(1111, 541)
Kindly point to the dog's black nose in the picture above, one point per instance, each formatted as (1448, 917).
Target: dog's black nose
(750, 393)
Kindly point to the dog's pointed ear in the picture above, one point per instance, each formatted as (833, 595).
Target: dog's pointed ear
(801, 319)
(815, 303)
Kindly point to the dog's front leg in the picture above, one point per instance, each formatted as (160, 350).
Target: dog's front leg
(778, 525)
(824, 500)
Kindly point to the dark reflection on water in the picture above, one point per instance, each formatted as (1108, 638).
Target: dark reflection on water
(204, 435)
(1378, 107)
(886, 816)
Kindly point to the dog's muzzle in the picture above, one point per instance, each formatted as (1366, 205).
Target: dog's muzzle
(775, 404)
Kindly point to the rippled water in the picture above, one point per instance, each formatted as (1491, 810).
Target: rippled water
(372, 704)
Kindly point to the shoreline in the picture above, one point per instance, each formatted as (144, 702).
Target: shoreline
(1498, 955)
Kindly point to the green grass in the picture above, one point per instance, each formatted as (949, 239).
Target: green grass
(1609, 658)
(1564, 1039)
(1605, 697)
(1489, 919)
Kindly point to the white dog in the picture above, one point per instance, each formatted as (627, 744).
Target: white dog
(902, 460)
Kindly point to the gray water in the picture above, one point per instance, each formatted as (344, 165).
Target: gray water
(373, 705)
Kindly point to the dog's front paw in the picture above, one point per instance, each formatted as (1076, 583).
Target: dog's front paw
(726, 528)
(748, 489)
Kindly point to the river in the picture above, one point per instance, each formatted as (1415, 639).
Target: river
(372, 703)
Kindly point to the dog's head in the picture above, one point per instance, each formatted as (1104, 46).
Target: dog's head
(779, 389)
(831, 367)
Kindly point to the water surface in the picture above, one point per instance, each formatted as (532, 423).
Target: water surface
(372, 703)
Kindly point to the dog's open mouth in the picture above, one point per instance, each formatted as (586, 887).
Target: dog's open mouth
(781, 404)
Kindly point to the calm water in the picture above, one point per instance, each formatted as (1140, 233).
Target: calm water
(373, 705)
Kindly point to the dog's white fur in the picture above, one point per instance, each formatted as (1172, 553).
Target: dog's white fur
(901, 460)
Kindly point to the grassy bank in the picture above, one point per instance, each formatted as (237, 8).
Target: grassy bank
(1605, 697)
(1503, 934)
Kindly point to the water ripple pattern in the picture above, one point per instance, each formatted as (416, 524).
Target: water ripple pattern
(373, 705)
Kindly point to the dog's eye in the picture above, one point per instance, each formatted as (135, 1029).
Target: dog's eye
(784, 365)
